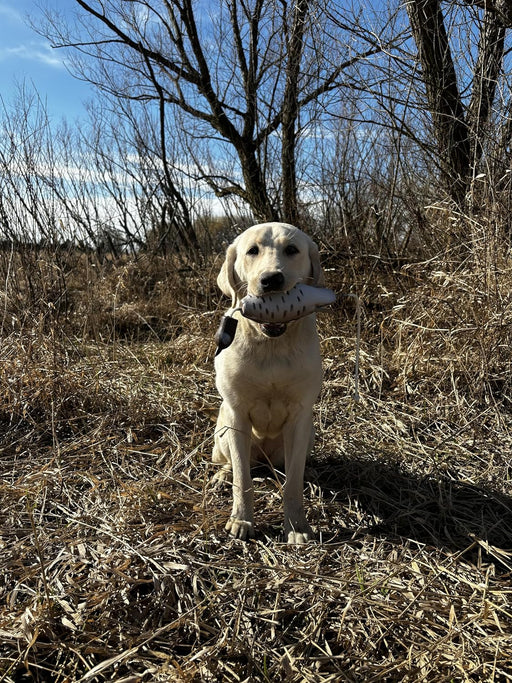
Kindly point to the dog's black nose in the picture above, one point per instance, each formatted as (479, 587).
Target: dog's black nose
(272, 282)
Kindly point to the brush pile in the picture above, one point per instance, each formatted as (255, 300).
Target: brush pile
(115, 563)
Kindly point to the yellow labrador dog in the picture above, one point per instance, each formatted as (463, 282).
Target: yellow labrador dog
(269, 376)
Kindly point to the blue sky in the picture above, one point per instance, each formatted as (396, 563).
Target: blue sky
(26, 57)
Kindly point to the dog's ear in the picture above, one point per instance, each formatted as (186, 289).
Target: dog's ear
(317, 273)
(226, 278)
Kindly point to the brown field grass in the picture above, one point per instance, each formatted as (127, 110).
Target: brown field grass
(116, 566)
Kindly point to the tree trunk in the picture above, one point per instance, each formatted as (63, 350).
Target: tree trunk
(502, 9)
(444, 101)
(256, 193)
(487, 69)
(290, 112)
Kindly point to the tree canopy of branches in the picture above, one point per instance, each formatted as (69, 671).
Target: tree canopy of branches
(239, 78)
(351, 117)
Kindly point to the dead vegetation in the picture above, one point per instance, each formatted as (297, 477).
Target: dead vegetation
(115, 563)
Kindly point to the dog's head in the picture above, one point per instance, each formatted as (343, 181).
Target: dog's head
(268, 258)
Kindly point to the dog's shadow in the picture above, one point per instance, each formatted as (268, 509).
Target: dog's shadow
(384, 499)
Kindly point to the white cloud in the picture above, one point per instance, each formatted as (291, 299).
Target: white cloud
(9, 13)
(41, 53)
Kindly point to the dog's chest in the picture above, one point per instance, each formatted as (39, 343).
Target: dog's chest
(269, 416)
(276, 395)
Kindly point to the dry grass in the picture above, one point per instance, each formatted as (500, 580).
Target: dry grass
(116, 564)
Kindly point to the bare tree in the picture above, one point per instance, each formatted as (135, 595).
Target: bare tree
(459, 128)
(242, 78)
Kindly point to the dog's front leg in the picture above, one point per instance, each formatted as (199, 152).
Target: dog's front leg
(297, 444)
(241, 523)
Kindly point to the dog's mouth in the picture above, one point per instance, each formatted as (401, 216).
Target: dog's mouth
(273, 329)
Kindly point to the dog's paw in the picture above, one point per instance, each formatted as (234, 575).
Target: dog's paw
(299, 537)
(240, 528)
(223, 476)
(300, 534)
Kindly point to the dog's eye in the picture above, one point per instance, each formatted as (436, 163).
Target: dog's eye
(253, 251)
(291, 250)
